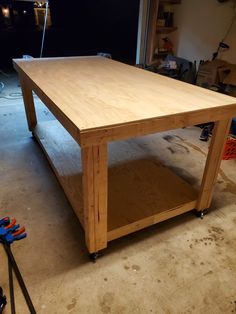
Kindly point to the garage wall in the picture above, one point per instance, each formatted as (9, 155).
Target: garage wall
(202, 25)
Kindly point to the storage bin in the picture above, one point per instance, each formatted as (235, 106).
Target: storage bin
(230, 148)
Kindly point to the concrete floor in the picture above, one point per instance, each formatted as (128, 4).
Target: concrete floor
(184, 265)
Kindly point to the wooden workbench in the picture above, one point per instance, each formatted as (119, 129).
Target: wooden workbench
(97, 101)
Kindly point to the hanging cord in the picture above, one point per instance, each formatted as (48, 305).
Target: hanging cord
(222, 43)
(44, 29)
(12, 96)
(5, 74)
(1, 86)
(231, 24)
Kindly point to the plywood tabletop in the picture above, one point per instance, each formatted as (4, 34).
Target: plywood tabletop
(95, 92)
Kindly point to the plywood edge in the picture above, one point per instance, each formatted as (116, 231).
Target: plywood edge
(151, 220)
(19, 60)
(154, 125)
(61, 117)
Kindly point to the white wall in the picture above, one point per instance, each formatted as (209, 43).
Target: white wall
(202, 25)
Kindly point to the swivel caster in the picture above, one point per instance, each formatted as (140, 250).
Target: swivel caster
(94, 256)
(201, 213)
(33, 137)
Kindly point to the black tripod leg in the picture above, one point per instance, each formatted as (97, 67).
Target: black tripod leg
(11, 287)
(19, 278)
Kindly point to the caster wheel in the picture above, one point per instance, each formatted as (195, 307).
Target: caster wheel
(201, 214)
(94, 256)
(33, 137)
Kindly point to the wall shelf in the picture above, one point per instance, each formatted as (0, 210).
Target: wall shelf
(154, 28)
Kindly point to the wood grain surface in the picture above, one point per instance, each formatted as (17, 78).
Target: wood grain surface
(95, 92)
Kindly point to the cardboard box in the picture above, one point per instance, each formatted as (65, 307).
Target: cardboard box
(215, 72)
(230, 78)
(208, 72)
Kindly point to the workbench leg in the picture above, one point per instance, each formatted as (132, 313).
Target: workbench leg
(219, 136)
(29, 104)
(94, 162)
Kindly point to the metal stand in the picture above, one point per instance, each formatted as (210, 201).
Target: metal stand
(11, 287)
(13, 265)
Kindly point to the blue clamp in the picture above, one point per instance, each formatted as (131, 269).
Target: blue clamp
(9, 231)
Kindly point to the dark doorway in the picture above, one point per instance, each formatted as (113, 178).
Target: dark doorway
(82, 27)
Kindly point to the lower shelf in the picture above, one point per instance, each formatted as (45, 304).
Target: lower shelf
(141, 192)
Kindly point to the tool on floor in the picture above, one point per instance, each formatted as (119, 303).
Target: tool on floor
(10, 232)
